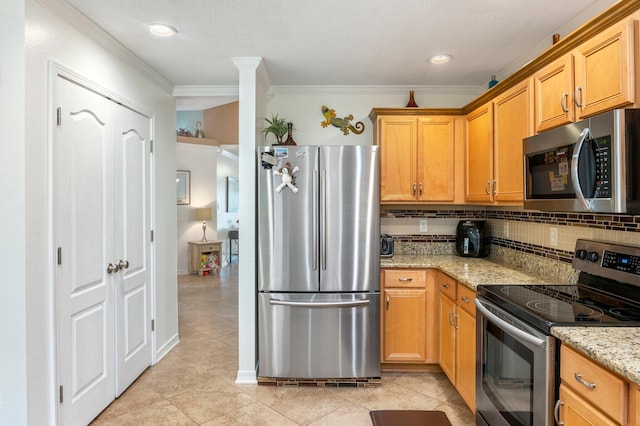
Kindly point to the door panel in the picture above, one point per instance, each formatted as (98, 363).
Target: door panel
(84, 193)
(133, 246)
(287, 223)
(349, 218)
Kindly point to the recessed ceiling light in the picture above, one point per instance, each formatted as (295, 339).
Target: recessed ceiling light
(442, 58)
(162, 30)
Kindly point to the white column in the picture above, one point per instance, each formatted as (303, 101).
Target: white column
(13, 350)
(251, 97)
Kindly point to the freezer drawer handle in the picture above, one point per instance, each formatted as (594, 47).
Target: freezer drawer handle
(346, 304)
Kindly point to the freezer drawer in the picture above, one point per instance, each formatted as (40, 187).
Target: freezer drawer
(325, 335)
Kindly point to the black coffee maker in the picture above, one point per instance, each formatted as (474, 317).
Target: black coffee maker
(471, 240)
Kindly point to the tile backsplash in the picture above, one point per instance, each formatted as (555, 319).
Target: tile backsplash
(549, 235)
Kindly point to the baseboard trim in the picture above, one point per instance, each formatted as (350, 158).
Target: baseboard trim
(247, 377)
(167, 347)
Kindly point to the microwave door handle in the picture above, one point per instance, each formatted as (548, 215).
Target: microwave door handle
(508, 327)
(586, 133)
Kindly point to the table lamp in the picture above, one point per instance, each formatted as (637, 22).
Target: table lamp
(204, 214)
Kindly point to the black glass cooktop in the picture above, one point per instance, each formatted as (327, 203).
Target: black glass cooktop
(547, 305)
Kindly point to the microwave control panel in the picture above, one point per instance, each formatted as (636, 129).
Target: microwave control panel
(602, 151)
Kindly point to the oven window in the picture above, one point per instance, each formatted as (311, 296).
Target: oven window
(507, 377)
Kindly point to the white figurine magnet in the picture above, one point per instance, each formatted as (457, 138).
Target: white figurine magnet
(288, 177)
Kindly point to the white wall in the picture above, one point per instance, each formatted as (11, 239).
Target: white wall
(303, 107)
(201, 161)
(56, 32)
(13, 349)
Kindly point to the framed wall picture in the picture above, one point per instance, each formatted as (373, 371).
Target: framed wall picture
(183, 189)
(232, 194)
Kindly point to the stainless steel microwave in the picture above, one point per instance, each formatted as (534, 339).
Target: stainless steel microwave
(592, 165)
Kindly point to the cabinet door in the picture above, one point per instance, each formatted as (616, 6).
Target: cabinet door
(553, 86)
(397, 140)
(574, 411)
(479, 154)
(513, 121)
(436, 158)
(404, 333)
(447, 337)
(466, 357)
(604, 71)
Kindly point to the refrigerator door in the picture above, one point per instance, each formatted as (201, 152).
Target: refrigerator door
(287, 221)
(349, 218)
(319, 335)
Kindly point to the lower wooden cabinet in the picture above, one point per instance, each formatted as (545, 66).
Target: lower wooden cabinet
(589, 393)
(408, 335)
(457, 336)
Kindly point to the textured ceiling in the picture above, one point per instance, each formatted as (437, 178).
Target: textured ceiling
(331, 42)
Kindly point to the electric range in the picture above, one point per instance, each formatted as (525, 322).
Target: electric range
(607, 292)
(517, 371)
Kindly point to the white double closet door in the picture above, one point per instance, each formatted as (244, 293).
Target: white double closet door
(102, 234)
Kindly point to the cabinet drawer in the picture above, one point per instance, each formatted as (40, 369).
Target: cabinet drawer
(447, 285)
(404, 278)
(465, 299)
(209, 247)
(610, 391)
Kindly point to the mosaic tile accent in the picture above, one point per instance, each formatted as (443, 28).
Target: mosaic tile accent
(364, 382)
(548, 252)
(600, 221)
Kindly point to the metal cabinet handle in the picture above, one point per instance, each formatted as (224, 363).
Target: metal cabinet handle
(414, 188)
(556, 412)
(465, 299)
(579, 378)
(387, 300)
(405, 279)
(123, 264)
(445, 285)
(111, 268)
(575, 97)
(565, 96)
(449, 317)
(493, 187)
(455, 321)
(487, 187)
(421, 189)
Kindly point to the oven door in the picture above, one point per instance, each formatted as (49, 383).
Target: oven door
(515, 374)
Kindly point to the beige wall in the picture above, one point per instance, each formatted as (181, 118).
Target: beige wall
(221, 123)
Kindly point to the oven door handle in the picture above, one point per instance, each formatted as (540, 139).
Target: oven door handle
(510, 328)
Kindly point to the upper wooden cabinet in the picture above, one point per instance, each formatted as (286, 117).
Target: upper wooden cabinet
(494, 146)
(596, 76)
(419, 158)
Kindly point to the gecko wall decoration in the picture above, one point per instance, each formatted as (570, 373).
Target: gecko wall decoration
(341, 123)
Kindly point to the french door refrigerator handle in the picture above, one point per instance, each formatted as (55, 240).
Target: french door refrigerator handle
(586, 133)
(345, 304)
(323, 225)
(510, 328)
(314, 220)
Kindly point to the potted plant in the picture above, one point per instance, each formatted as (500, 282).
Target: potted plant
(278, 126)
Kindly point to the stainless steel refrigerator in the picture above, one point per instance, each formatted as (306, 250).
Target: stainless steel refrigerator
(318, 255)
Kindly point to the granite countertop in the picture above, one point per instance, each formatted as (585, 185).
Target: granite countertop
(616, 348)
(469, 271)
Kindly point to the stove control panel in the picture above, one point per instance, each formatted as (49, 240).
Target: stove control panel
(616, 261)
(621, 262)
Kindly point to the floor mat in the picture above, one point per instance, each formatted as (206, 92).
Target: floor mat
(409, 418)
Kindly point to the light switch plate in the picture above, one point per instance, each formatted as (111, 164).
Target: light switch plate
(423, 225)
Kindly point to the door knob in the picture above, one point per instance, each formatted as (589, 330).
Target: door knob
(123, 264)
(111, 268)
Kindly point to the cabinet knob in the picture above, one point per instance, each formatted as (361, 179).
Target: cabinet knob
(445, 285)
(123, 264)
(111, 268)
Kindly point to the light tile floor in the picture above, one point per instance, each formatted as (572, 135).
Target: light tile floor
(194, 383)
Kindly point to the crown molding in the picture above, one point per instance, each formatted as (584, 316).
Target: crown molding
(206, 90)
(87, 27)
